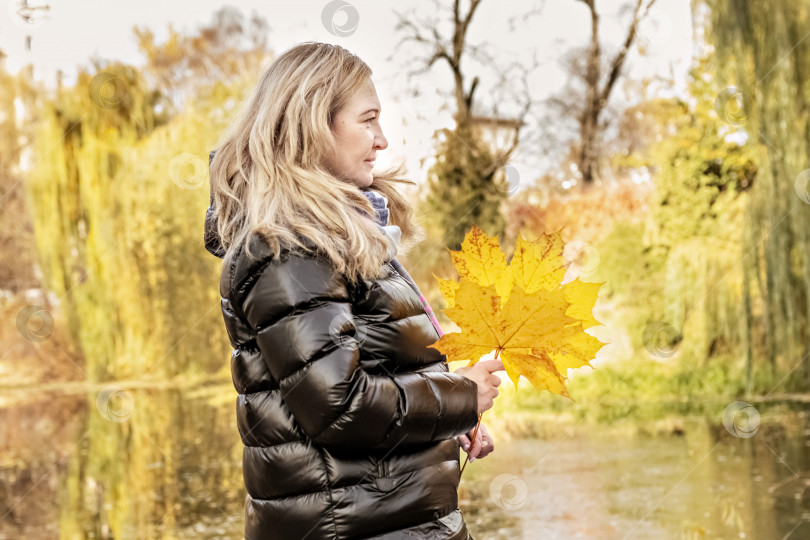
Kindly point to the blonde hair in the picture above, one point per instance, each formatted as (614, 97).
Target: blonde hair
(268, 178)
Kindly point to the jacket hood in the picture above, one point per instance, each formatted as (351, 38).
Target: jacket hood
(211, 237)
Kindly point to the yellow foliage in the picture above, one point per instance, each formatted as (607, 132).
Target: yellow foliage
(521, 310)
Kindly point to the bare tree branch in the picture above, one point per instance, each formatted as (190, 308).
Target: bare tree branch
(618, 62)
(590, 117)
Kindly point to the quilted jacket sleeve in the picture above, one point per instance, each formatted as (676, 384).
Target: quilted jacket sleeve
(302, 313)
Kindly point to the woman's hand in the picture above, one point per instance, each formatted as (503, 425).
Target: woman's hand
(481, 447)
(483, 373)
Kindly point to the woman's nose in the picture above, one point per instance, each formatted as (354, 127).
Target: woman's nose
(380, 142)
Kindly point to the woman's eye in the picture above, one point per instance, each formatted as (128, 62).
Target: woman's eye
(372, 118)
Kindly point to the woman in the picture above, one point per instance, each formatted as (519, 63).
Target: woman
(349, 419)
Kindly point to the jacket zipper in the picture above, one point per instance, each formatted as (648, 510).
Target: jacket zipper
(424, 309)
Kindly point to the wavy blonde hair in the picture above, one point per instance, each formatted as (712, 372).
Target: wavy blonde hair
(268, 177)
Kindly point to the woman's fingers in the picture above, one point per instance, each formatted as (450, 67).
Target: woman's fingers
(487, 444)
(491, 365)
(476, 446)
(481, 447)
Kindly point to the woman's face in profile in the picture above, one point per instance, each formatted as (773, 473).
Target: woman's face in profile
(359, 137)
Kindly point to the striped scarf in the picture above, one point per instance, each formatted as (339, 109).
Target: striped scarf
(380, 204)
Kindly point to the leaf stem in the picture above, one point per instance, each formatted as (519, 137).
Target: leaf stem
(472, 441)
(475, 431)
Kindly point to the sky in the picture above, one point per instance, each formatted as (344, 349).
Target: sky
(76, 30)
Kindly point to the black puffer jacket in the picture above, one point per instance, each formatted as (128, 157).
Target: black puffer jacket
(348, 418)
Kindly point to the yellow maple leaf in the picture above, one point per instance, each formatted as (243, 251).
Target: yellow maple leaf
(582, 296)
(520, 310)
(482, 260)
(539, 264)
(448, 289)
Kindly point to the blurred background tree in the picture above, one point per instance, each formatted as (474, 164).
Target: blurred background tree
(118, 192)
(763, 56)
(468, 183)
(225, 49)
(18, 271)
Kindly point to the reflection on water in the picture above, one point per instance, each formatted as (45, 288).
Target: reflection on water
(695, 481)
(166, 464)
(121, 464)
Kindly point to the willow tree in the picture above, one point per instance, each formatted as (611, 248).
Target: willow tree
(705, 172)
(118, 196)
(762, 52)
(674, 276)
(77, 153)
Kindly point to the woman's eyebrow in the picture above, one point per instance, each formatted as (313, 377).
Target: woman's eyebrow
(370, 110)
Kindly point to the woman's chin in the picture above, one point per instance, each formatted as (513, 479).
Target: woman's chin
(364, 181)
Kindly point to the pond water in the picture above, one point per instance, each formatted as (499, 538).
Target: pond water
(150, 463)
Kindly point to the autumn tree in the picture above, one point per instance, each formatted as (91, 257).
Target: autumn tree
(593, 75)
(685, 250)
(762, 56)
(117, 193)
(16, 230)
(223, 50)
